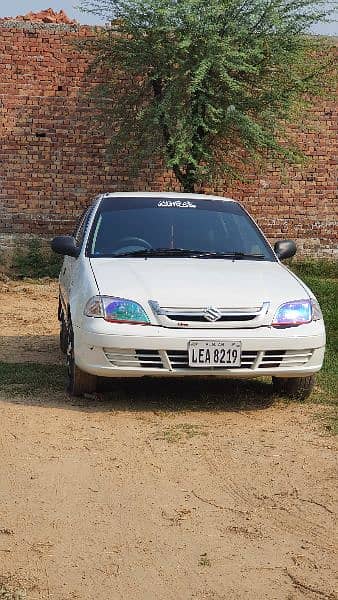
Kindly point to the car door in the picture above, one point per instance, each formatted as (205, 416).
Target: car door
(70, 263)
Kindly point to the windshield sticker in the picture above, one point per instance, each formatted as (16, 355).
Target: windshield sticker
(176, 204)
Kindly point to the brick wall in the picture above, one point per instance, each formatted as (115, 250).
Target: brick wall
(52, 159)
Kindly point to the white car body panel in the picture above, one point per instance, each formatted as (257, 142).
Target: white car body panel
(113, 349)
(182, 282)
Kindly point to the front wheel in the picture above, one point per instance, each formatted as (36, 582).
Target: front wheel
(298, 388)
(79, 382)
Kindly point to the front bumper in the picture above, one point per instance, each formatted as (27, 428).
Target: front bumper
(121, 350)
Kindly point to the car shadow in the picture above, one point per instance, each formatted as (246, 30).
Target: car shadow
(183, 394)
(32, 371)
(44, 385)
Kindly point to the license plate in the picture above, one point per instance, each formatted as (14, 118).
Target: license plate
(213, 353)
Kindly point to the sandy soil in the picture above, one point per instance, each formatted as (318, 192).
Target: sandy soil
(28, 323)
(149, 495)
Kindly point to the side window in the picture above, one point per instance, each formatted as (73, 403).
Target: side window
(80, 230)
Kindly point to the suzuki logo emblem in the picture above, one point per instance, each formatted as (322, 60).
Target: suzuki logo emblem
(212, 314)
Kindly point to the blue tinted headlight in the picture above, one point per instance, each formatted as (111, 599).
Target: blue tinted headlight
(116, 310)
(293, 313)
(120, 310)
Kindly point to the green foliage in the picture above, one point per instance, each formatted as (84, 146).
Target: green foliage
(35, 261)
(326, 290)
(203, 84)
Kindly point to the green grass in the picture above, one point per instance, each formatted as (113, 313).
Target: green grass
(204, 561)
(181, 431)
(314, 268)
(326, 291)
(321, 277)
(30, 378)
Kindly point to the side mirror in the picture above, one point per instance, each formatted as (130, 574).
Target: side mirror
(285, 249)
(65, 244)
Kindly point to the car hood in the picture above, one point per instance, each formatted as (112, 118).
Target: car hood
(196, 283)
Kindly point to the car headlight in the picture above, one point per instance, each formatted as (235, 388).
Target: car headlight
(116, 310)
(297, 312)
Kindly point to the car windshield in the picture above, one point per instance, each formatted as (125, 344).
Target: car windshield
(159, 227)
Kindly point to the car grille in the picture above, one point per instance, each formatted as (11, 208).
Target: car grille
(285, 358)
(178, 359)
(148, 359)
(200, 318)
(210, 317)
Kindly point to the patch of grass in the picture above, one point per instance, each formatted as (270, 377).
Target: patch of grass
(35, 261)
(331, 422)
(326, 291)
(29, 378)
(10, 591)
(321, 277)
(6, 594)
(326, 389)
(314, 268)
(180, 431)
(204, 561)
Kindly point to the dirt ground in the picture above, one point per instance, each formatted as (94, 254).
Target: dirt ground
(156, 490)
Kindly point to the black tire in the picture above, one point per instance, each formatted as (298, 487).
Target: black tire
(63, 335)
(79, 382)
(298, 388)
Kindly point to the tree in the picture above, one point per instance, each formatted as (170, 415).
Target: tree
(205, 84)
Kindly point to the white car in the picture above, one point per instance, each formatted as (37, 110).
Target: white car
(168, 285)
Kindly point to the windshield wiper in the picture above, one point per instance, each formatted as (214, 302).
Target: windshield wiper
(232, 255)
(190, 253)
(161, 252)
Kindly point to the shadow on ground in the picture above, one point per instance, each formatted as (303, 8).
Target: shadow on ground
(37, 384)
(42, 349)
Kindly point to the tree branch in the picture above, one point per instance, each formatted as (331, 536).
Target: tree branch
(158, 95)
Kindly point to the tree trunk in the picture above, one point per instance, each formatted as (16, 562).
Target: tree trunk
(186, 179)
(189, 179)
(188, 186)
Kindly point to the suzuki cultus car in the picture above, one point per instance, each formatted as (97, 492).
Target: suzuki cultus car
(168, 285)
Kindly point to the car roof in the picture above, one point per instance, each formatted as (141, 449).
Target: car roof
(175, 195)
